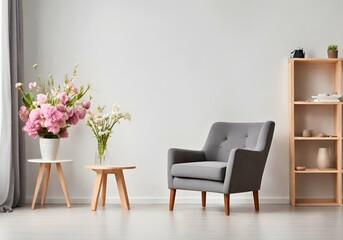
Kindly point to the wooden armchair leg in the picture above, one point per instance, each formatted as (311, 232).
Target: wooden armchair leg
(203, 199)
(172, 199)
(257, 205)
(227, 204)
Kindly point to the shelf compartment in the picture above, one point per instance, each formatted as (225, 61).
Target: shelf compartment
(317, 171)
(321, 119)
(317, 103)
(316, 138)
(316, 188)
(316, 202)
(306, 153)
(310, 80)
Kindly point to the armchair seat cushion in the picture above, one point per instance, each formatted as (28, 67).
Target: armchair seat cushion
(209, 170)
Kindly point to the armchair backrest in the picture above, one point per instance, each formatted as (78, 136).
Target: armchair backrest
(225, 136)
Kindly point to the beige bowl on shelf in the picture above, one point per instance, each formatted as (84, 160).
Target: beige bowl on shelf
(300, 168)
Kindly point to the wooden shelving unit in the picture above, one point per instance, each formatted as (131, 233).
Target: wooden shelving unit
(308, 77)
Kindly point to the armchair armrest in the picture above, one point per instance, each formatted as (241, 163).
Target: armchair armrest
(244, 170)
(176, 155)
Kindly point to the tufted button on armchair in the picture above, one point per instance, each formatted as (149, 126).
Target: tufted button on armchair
(232, 161)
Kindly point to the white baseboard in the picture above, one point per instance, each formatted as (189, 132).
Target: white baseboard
(161, 200)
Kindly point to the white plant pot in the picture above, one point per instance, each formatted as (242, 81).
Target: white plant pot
(49, 148)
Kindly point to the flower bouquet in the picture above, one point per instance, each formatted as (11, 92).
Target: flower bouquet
(49, 110)
(101, 125)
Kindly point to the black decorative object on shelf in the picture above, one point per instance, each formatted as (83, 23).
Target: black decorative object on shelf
(298, 53)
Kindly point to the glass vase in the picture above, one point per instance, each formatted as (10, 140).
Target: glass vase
(101, 155)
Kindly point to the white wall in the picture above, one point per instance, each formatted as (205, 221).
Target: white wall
(177, 66)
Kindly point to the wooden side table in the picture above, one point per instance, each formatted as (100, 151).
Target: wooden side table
(101, 183)
(46, 165)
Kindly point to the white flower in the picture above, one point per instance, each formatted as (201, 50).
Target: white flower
(100, 108)
(91, 114)
(54, 91)
(104, 122)
(115, 107)
(18, 85)
(127, 116)
(78, 103)
(97, 116)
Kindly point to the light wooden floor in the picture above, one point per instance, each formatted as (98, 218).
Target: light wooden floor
(186, 222)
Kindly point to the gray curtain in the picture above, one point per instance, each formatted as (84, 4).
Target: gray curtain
(12, 152)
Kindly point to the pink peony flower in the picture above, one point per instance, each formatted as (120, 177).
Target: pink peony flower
(64, 134)
(54, 119)
(63, 97)
(61, 108)
(32, 85)
(35, 114)
(75, 90)
(48, 112)
(23, 113)
(86, 104)
(70, 85)
(70, 112)
(51, 112)
(41, 99)
(81, 113)
(73, 120)
(32, 128)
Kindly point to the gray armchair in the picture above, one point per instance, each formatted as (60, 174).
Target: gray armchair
(231, 161)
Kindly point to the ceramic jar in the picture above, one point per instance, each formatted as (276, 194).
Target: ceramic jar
(323, 158)
(307, 133)
(49, 148)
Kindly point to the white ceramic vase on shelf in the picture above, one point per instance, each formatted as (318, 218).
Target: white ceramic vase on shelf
(323, 158)
(49, 148)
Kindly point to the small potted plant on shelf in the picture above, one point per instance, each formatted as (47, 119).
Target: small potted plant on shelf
(332, 51)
